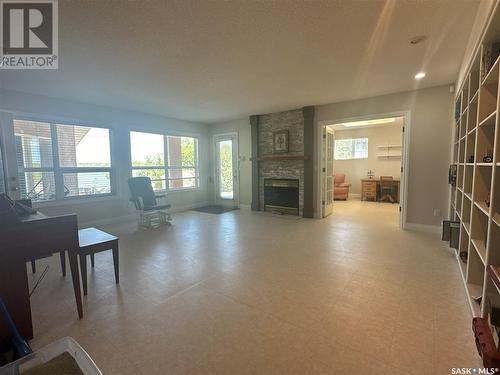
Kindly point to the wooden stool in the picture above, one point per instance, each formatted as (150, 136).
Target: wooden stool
(93, 241)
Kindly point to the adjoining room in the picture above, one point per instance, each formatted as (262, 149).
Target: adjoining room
(366, 158)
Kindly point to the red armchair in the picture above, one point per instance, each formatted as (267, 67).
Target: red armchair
(340, 188)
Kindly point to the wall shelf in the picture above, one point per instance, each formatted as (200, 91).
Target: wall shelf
(389, 151)
(388, 146)
(389, 156)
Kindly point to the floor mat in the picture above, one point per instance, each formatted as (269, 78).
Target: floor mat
(217, 210)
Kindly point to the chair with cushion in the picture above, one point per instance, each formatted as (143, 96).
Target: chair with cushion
(151, 214)
(387, 189)
(340, 188)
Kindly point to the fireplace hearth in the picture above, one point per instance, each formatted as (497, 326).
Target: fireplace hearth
(281, 195)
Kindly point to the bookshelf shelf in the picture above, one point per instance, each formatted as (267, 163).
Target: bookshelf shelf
(482, 206)
(492, 76)
(496, 219)
(475, 199)
(489, 120)
(475, 96)
(480, 247)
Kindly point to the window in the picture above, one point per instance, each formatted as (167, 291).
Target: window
(182, 162)
(76, 164)
(34, 160)
(355, 148)
(148, 158)
(84, 160)
(171, 162)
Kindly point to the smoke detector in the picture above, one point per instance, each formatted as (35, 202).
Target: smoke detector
(418, 39)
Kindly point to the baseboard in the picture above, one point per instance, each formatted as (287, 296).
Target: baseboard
(354, 195)
(245, 207)
(133, 216)
(108, 221)
(436, 229)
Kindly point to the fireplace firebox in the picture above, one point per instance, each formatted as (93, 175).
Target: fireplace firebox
(281, 195)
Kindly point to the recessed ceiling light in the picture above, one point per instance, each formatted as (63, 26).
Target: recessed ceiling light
(418, 39)
(369, 122)
(419, 75)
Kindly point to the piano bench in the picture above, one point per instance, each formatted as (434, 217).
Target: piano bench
(93, 241)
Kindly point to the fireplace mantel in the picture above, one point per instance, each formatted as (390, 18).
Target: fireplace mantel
(280, 157)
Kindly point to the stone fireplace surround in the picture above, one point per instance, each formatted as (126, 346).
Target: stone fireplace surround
(296, 164)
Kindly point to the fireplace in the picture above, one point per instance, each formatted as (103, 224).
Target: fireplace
(281, 195)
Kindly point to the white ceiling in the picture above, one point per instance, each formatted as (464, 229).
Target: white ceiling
(210, 61)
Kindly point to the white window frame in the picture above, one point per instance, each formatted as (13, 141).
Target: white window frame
(166, 167)
(60, 171)
(353, 148)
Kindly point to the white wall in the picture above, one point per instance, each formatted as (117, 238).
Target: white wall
(120, 122)
(356, 169)
(242, 127)
(431, 127)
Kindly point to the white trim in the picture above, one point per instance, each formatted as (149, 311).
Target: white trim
(405, 159)
(77, 200)
(133, 216)
(245, 207)
(424, 228)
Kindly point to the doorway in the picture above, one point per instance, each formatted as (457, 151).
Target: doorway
(364, 165)
(226, 169)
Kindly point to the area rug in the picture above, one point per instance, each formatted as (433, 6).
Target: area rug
(217, 210)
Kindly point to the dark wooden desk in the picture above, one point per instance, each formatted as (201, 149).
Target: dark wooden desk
(370, 186)
(35, 236)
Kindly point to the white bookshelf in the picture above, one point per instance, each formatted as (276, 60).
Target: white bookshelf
(475, 199)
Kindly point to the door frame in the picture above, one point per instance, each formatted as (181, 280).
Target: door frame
(405, 161)
(325, 130)
(236, 184)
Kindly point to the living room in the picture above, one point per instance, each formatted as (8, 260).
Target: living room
(167, 182)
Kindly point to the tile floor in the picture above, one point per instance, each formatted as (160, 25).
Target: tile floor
(255, 293)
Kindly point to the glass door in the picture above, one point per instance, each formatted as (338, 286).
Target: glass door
(226, 169)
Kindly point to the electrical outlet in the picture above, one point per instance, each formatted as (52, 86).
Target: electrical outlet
(437, 212)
